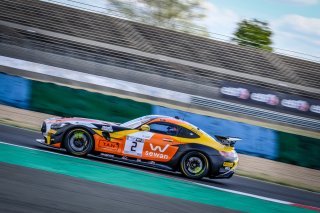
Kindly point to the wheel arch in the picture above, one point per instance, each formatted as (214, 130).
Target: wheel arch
(200, 154)
(195, 150)
(208, 152)
(71, 127)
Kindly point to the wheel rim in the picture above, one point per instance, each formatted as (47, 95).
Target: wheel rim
(194, 165)
(79, 141)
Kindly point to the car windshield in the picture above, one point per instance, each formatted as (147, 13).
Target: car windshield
(135, 123)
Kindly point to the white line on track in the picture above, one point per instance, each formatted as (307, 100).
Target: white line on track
(277, 184)
(244, 193)
(199, 184)
(25, 147)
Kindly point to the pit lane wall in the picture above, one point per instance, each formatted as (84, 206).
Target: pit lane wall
(64, 101)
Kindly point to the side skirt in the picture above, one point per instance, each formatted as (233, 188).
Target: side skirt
(138, 162)
(134, 161)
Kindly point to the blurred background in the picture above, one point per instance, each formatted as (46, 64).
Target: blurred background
(226, 72)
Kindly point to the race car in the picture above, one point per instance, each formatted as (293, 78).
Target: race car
(154, 140)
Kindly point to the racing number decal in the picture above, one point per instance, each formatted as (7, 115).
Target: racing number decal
(134, 146)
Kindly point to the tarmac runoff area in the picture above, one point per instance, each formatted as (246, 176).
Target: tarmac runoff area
(51, 181)
(258, 168)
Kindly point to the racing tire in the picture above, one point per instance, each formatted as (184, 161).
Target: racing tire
(78, 142)
(194, 165)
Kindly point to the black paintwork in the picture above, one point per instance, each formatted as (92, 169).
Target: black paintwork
(58, 137)
(214, 157)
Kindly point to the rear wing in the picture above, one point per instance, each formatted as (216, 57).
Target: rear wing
(227, 141)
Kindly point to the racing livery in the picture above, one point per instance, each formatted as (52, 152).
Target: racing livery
(154, 140)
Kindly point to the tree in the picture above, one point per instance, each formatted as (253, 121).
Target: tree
(254, 33)
(171, 14)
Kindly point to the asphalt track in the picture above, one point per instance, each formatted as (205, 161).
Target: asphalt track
(62, 193)
(30, 190)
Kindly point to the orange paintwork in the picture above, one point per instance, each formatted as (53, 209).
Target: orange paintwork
(163, 149)
(164, 152)
(114, 146)
(158, 147)
(56, 145)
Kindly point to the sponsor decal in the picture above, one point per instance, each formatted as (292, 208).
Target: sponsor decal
(241, 93)
(295, 104)
(88, 124)
(274, 99)
(315, 108)
(139, 140)
(156, 155)
(143, 135)
(110, 145)
(107, 128)
(134, 139)
(265, 98)
(155, 148)
(107, 155)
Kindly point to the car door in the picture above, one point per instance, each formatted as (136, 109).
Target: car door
(160, 146)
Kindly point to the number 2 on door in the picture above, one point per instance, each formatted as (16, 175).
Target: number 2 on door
(134, 146)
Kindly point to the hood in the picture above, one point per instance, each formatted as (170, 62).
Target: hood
(76, 120)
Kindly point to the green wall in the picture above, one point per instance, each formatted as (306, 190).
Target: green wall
(64, 101)
(298, 150)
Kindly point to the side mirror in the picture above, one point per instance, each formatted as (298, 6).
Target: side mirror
(145, 127)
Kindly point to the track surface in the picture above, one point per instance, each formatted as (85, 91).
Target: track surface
(31, 190)
(27, 138)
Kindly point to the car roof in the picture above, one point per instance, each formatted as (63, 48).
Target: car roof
(163, 118)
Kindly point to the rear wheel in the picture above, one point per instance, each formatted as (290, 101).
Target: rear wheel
(78, 142)
(194, 165)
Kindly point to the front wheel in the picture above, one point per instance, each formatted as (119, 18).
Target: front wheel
(78, 142)
(194, 165)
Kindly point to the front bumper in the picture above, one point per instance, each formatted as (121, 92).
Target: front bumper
(51, 137)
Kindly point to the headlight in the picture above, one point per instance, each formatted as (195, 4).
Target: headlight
(58, 125)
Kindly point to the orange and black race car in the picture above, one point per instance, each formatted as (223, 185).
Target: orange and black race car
(154, 140)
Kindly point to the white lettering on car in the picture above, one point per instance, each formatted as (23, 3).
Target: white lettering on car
(159, 148)
(156, 155)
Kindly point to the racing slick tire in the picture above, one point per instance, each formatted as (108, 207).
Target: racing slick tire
(78, 142)
(194, 165)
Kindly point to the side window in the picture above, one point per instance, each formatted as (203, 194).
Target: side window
(186, 133)
(164, 128)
